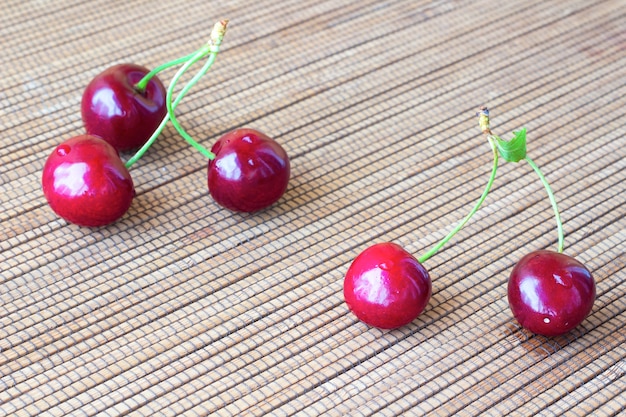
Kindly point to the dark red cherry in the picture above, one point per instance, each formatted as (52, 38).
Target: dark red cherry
(86, 182)
(113, 109)
(386, 287)
(250, 171)
(550, 293)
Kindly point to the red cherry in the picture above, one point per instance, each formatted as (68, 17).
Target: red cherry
(250, 171)
(113, 109)
(386, 286)
(86, 182)
(550, 293)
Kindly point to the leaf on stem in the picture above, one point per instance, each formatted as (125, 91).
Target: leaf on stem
(515, 149)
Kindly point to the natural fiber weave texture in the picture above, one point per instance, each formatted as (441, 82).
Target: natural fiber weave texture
(185, 308)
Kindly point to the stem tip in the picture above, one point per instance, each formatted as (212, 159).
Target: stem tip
(218, 32)
(483, 120)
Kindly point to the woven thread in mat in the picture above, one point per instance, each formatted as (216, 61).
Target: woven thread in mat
(185, 308)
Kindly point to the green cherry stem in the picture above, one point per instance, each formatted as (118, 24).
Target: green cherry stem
(514, 150)
(557, 216)
(171, 107)
(459, 226)
(158, 130)
(196, 56)
(212, 48)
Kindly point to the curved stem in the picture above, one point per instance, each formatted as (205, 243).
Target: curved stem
(454, 231)
(212, 48)
(170, 104)
(141, 84)
(557, 216)
(160, 128)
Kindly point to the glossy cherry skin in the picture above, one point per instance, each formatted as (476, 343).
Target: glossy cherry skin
(250, 171)
(386, 287)
(550, 293)
(114, 110)
(86, 182)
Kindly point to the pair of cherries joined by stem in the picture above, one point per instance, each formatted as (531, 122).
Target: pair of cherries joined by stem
(125, 108)
(549, 293)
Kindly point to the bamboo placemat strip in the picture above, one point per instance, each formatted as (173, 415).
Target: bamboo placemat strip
(183, 308)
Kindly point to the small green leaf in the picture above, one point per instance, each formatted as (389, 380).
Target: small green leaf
(515, 149)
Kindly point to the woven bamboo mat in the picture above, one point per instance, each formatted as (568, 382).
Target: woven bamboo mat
(185, 308)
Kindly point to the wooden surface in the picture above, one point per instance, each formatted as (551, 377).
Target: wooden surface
(185, 308)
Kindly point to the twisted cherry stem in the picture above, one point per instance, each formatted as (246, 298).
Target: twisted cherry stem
(557, 216)
(480, 201)
(211, 49)
(217, 33)
(171, 105)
